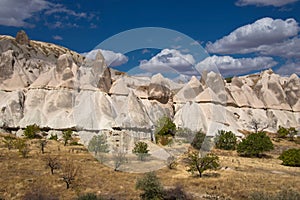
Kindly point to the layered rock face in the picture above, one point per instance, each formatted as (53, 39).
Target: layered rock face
(54, 87)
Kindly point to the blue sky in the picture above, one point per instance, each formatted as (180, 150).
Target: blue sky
(242, 36)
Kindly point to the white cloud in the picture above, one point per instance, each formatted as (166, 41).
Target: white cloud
(250, 38)
(170, 60)
(229, 66)
(57, 37)
(287, 49)
(289, 69)
(275, 3)
(15, 12)
(112, 59)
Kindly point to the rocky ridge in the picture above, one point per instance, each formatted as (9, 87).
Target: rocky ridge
(53, 87)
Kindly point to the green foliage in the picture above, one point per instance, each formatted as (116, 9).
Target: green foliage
(98, 144)
(165, 126)
(225, 140)
(286, 132)
(228, 79)
(67, 135)
(22, 147)
(185, 133)
(9, 141)
(198, 140)
(53, 137)
(201, 164)
(141, 150)
(151, 187)
(291, 157)
(31, 131)
(255, 144)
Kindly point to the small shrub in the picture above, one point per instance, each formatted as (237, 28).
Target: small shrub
(141, 150)
(53, 137)
(195, 163)
(165, 126)
(171, 162)
(9, 141)
(31, 131)
(176, 193)
(43, 144)
(286, 132)
(198, 140)
(151, 186)
(53, 163)
(291, 157)
(22, 147)
(225, 140)
(67, 135)
(255, 144)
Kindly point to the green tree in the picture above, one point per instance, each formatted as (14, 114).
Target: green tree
(201, 164)
(225, 140)
(286, 132)
(165, 127)
(141, 150)
(291, 157)
(98, 144)
(31, 131)
(67, 135)
(198, 140)
(255, 144)
(151, 187)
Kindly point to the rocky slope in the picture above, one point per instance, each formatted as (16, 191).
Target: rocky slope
(57, 88)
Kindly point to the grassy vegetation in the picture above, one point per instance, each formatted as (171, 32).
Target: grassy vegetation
(238, 178)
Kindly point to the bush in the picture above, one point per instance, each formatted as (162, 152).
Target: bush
(286, 132)
(151, 186)
(22, 147)
(291, 157)
(225, 140)
(141, 150)
(201, 164)
(67, 135)
(165, 126)
(171, 162)
(9, 141)
(53, 137)
(176, 193)
(255, 144)
(198, 140)
(31, 131)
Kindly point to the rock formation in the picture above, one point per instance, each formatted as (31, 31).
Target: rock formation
(57, 88)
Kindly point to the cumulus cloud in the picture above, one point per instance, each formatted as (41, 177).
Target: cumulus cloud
(252, 37)
(229, 66)
(289, 68)
(112, 59)
(17, 13)
(170, 60)
(275, 3)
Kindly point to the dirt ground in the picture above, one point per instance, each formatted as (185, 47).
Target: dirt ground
(237, 178)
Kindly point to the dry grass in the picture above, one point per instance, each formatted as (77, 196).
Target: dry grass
(238, 177)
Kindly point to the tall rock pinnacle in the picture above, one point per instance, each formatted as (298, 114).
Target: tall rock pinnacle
(22, 38)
